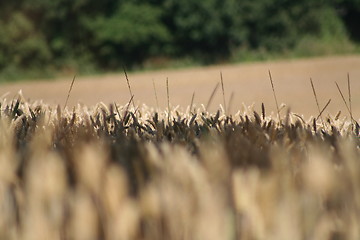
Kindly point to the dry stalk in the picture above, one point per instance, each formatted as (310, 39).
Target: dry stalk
(317, 102)
(168, 98)
(117, 110)
(71, 86)
(298, 116)
(263, 110)
(128, 84)
(327, 104)
(337, 116)
(127, 107)
(276, 102)
(343, 98)
(349, 90)
(156, 98)
(230, 102)
(211, 97)
(223, 90)
(192, 101)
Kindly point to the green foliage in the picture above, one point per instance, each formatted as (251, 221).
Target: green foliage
(106, 35)
(195, 23)
(20, 44)
(134, 30)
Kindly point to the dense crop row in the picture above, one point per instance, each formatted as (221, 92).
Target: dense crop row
(114, 172)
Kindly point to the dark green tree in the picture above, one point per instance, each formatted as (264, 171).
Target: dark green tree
(207, 29)
(130, 35)
(61, 34)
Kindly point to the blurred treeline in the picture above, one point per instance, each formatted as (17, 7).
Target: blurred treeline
(91, 35)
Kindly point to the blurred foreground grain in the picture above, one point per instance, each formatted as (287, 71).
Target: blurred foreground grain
(114, 172)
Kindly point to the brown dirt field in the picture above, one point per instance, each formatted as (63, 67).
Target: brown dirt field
(248, 81)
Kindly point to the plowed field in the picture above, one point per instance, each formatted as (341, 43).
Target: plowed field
(249, 82)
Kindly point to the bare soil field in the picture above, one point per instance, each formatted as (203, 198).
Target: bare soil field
(249, 82)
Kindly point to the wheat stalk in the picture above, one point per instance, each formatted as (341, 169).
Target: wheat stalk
(211, 96)
(156, 98)
(223, 90)
(168, 98)
(349, 91)
(263, 110)
(317, 102)
(71, 86)
(192, 101)
(276, 102)
(231, 99)
(326, 105)
(129, 87)
(343, 98)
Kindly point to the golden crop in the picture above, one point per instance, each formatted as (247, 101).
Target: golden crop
(112, 172)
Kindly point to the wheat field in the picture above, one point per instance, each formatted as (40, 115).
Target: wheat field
(135, 172)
